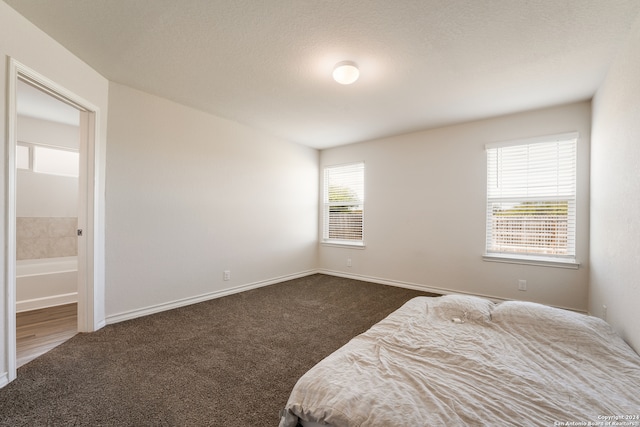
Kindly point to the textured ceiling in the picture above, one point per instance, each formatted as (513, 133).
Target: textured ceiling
(268, 64)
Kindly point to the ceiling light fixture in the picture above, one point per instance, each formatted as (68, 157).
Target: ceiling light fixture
(346, 72)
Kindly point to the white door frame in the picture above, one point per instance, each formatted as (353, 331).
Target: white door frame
(88, 253)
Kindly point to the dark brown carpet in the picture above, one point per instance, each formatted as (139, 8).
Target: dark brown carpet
(227, 362)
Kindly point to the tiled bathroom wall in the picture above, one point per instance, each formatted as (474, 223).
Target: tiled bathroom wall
(46, 237)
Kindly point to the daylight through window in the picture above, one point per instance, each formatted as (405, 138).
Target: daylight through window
(48, 160)
(343, 194)
(531, 198)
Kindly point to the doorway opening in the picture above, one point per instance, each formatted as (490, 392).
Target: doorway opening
(51, 227)
(47, 189)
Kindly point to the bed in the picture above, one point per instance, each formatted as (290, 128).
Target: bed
(461, 360)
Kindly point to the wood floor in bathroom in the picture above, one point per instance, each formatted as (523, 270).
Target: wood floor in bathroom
(38, 331)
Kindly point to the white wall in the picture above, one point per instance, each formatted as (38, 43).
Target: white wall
(33, 48)
(31, 129)
(425, 210)
(190, 195)
(615, 195)
(41, 195)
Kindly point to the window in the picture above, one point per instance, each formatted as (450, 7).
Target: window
(23, 157)
(48, 160)
(343, 194)
(531, 199)
(55, 161)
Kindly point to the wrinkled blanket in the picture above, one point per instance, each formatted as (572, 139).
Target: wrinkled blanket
(462, 360)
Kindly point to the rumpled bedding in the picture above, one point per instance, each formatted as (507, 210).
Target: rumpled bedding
(465, 361)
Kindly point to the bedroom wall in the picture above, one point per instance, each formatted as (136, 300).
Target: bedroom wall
(30, 46)
(615, 195)
(191, 195)
(425, 211)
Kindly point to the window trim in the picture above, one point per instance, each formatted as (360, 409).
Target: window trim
(342, 243)
(532, 260)
(559, 261)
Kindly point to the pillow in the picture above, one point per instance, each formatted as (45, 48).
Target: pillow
(582, 332)
(524, 312)
(462, 308)
(527, 312)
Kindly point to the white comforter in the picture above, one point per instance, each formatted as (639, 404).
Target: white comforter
(460, 360)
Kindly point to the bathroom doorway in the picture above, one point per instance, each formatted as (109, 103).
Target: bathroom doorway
(90, 256)
(47, 190)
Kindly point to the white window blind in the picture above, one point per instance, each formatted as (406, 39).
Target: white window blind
(343, 194)
(531, 198)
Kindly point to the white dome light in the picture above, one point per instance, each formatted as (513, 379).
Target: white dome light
(346, 72)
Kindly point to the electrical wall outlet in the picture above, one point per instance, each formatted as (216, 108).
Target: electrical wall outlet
(522, 285)
(226, 275)
(604, 312)
(349, 262)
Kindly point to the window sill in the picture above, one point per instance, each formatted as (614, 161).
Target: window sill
(538, 261)
(341, 244)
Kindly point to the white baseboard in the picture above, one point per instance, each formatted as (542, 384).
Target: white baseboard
(128, 315)
(401, 284)
(101, 324)
(132, 314)
(421, 287)
(46, 302)
(4, 379)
